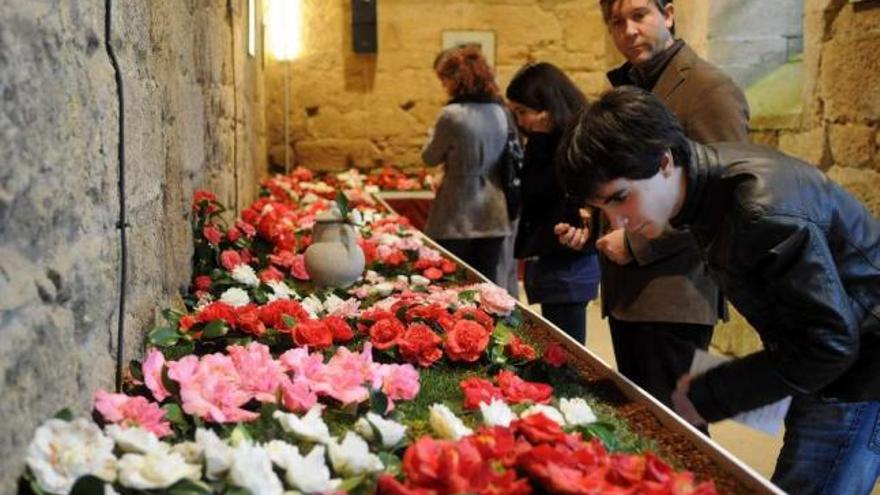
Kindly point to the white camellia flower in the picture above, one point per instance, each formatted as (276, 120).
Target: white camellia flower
(252, 470)
(446, 424)
(312, 305)
(419, 280)
(497, 413)
(309, 198)
(62, 451)
(391, 432)
(384, 288)
(308, 474)
(134, 439)
(244, 274)
(549, 411)
(190, 451)
(235, 297)
(280, 290)
(155, 469)
(577, 411)
(310, 427)
(353, 457)
(217, 453)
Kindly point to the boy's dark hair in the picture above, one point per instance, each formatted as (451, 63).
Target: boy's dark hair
(622, 135)
(606, 6)
(542, 86)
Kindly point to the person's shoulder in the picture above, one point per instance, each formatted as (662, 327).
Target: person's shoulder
(701, 71)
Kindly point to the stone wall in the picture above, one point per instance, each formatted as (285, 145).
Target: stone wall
(193, 117)
(348, 109)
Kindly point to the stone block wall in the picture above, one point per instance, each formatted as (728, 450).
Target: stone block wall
(192, 118)
(348, 109)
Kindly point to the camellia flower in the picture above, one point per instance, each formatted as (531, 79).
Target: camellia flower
(390, 432)
(446, 424)
(310, 427)
(466, 341)
(152, 370)
(211, 388)
(62, 451)
(308, 474)
(497, 413)
(399, 382)
(245, 274)
(353, 457)
(252, 470)
(549, 411)
(235, 297)
(217, 453)
(132, 411)
(495, 300)
(259, 374)
(134, 439)
(280, 290)
(577, 411)
(155, 469)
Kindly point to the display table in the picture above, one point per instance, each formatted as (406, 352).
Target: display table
(684, 444)
(414, 205)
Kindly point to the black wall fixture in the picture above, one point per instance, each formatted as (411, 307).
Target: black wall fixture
(364, 38)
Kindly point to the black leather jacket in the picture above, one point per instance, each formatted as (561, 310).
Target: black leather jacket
(799, 257)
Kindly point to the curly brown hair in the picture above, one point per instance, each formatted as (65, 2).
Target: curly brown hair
(470, 72)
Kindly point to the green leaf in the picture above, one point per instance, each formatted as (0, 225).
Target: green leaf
(88, 485)
(260, 296)
(34, 486)
(216, 328)
(392, 463)
(171, 316)
(467, 296)
(342, 203)
(378, 402)
(189, 487)
(178, 351)
(288, 320)
(136, 369)
(164, 336)
(502, 334)
(64, 415)
(174, 414)
(603, 431)
(349, 484)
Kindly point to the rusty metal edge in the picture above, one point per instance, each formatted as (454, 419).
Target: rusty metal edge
(750, 478)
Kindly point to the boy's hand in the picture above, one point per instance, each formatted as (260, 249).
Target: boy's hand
(613, 246)
(683, 405)
(571, 236)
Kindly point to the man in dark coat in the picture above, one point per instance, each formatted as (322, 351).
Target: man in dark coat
(659, 300)
(797, 255)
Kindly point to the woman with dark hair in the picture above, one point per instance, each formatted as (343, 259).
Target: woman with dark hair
(469, 214)
(544, 100)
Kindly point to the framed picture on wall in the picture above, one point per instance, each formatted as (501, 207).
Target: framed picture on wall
(484, 39)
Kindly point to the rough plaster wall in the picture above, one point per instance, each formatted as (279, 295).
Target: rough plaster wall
(192, 119)
(363, 109)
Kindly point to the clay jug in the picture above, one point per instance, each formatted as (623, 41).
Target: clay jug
(334, 259)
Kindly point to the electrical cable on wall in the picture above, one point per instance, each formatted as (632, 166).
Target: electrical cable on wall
(122, 224)
(231, 13)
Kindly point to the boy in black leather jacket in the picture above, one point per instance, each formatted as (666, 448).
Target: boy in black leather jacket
(797, 255)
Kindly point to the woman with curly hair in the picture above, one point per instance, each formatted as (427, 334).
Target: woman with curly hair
(469, 214)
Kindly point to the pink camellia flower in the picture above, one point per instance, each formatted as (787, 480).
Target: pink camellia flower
(210, 388)
(297, 395)
(230, 259)
(212, 234)
(302, 363)
(495, 300)
(271, 274)
(132, 411)
(260, 374)
(298, 268)
(399, 382)
(344, 376)
(152, 369)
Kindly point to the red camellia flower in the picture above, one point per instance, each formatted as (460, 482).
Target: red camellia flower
(313, 333)
(339, 328)
(477, 315)
(432, 273)
(202, 200)
(217, 311)
(202, 282)
(186, 322)
(388, 485)
(466, 341)
(247, 319)
(395, 258)
(230, 259)
(516, 390)
(538, 428)
(447, 266)
(271, 274)
(498, 444)
(517, 349)
(212, 234)
(273, 314)
(233, 234)
(385, 333)
(420, 345)
(477, 390)
(298, 268)
(554, 355)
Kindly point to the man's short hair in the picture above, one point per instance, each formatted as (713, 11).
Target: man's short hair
(622, 135)
(606, 6)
